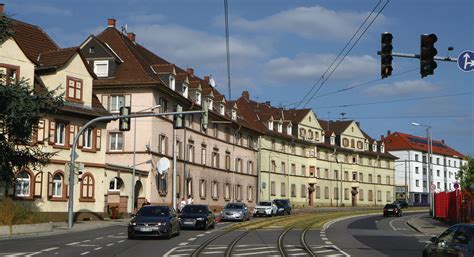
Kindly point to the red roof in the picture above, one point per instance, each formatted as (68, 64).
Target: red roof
(401, 141)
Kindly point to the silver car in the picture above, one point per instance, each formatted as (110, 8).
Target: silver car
(235, 211)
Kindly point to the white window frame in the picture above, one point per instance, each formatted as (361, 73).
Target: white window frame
(280, 127)
(60, 133)
(23, 185)
(87, 138)
(289, 129)
(172, 82)
(270, 125)
(222, 109)
(116, 182)
(57, 185)
(100, 63)
(115, 103)
(198, 98)
(114, 138)
(185, 90)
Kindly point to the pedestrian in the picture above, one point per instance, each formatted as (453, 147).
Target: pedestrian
(190, 199)
(182, 204)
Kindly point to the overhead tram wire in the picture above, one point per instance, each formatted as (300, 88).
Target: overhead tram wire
(395, 100)
(338, 55)
(412, 117)
(353, 45)
(356, 86)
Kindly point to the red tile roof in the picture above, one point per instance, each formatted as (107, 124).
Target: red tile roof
(57, 58)
(401, 141)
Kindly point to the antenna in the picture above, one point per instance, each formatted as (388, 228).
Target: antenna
(342, 115)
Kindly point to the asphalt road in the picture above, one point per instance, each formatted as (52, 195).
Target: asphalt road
(376, 236)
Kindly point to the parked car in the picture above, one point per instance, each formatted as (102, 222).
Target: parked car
(265, 208)
(197, 216)
(402, 203)
(283, 206)
(235, 211)
(392, 210)
(154, 221)
(457, 240)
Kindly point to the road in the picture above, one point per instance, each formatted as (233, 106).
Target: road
(359, 236)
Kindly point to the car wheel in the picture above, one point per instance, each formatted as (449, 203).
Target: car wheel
(131, 236)
(206, 226)
(179, 230)
(170, 233)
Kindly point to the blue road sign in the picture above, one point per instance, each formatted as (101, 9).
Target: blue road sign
(466, 61)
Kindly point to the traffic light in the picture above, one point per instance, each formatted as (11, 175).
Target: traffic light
(427, 54)
(386, 55)
(124, 123)
(205, 114)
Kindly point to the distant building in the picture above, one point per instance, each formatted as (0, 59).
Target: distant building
(411, 171)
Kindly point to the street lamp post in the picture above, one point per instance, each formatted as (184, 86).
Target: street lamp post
(430, 153)
(134, 153)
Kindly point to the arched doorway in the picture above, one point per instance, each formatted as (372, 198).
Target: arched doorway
(138, 193)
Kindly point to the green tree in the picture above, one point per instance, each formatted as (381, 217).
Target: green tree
(21, 106)
(466, 174)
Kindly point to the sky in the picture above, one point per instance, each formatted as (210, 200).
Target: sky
(280, 50)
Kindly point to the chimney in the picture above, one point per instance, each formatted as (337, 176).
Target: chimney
(2, 6)
(268, 103)
(206, 78)
(246, 95)
(111, 23)
(389, 133)
(190, 72)
(442, 141)
(131, 36)
(382, 137)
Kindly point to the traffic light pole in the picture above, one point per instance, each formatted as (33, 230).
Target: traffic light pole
(74, 155)
(417, 56)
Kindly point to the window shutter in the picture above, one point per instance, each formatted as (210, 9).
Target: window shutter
(72, 134)
(105, 102)
(52, 132)
(41, 129)
(38, 185)
(128, 100)
(166, 146)
(97, 133)
(50, 185)
(81, 138)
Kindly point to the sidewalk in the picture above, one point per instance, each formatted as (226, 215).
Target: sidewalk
(425, 224)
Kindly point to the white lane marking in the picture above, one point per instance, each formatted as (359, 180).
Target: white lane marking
(328, 243)
(217, 247)
(184, 250)
(84, 253)
(97, 248)
(74, 243)
(167, 254)
(121, 233)
(85, 241)
(213, 252)
(31, 254)
(261, 252)
(99, 237)
(207, 232)
(324, 238)
(200, 235)
(293, 250)
(109, 244)
(391, 225)
(191, 239)
(323, 251)
(298, 254)
(184, 243)
(256, 248)
(49, 249)
(120, 241)
(339, 249)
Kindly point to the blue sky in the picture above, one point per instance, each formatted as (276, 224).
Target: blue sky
(279, 49)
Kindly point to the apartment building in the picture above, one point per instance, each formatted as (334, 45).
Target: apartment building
(214, 165)
(411, 172)
(31, 54)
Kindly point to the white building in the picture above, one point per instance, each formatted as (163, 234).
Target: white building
(411, 169)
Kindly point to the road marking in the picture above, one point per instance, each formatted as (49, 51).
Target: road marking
(99, 237)
(49, 249)
(31, 254)
(85, 241)
(297, 254)
(184, 243)
(261, 252)
(192, 239)
(323, 251)
(110, 244)
(328, 243)
(391, 225)
(257, 248)
(121, 233)
(217, 247)
(324, 238)
(120, 241)
(98, 248)
(207, 232)
(201, 235)
(184, 250)
(74, 243)
(84, 253)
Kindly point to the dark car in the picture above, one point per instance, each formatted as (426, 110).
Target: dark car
(154, 221)
(457, 240)
(392, 210)
(402, 203)
(283, 206)
(235, 211)
(197, 216)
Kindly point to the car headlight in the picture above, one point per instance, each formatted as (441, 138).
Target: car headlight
(199, 218)
(161, 224)
(280, 209)
(132, 223)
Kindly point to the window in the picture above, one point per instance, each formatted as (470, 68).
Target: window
(185, 90)
(202, 188)
(234, 114)
(354, 176)
(282, 189)
(91, 50)
(57, 185)
(303, 191)
(274, 166)
(293, 169)
(336, 174)
(74, 89)
(227, 191)
(162, 183)
(326, 192)
(417, 183)
(303, 170)
(289, 129)
(238, 193)
(346, 175)
(280, 127)
(379, 179)
(387, 179)
(22, 184)
(370, 195)
(9, 74)
(250, 167)
(379, 196)
(361, 194)
(389, 198)
(116, 101)
(222, 109)
(189, 186)
(227, 160)
(60, 133)
(163, 104)
(273, 144)
(345, 142)
(198, 98)
(272, 188)
(270, 125)
(101, 68)
(318, 192)
(283, 168)
(162, 144)
(293, 190)
(87, 138)
(437, 173)
(359, 144)
(370, 178)
(172, 83)
(215, 159)
(203, 155)
(116, 141)
(374, 148)
(115, 184)
(361, 177)
(326, 173)
(216, 130)
(191, 153)
(336, 193)
(215, 190)
(238, 165)
(332, 140)
(249, 193)
(417, 170)
(87, 187)
(346, 193)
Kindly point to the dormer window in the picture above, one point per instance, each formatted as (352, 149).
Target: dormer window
(101, 68)
(333, 140)
(382, 148)
(280, 127)
(185, 90)
(270, 125)
(198, 98)
(222, 109)
(374, 147)
(289, 129)
(209, 101)
(234, 114)
(366, 146)
(172, 83)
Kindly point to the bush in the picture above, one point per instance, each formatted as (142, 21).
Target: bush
(12, 213)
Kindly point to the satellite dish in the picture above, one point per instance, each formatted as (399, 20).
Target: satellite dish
(163, 165)
(212, 82)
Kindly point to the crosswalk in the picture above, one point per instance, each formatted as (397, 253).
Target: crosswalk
(256, 250)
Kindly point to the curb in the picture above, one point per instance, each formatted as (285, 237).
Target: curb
(413, 227)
